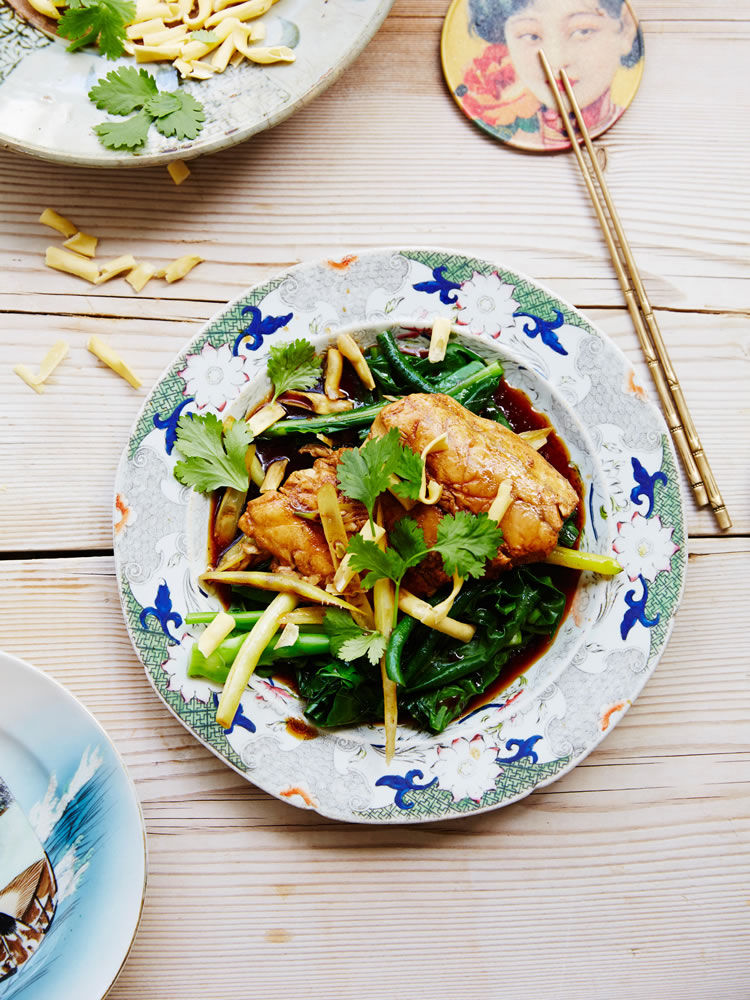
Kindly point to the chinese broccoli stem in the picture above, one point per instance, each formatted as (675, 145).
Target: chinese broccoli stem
(216, 666)
(363, 416)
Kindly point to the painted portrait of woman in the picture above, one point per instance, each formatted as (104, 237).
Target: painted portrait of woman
(492, 64)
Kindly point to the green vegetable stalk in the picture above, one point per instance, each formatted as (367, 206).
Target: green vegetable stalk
(216, 666)
(468, 391)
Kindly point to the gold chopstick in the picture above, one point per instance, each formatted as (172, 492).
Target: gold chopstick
(680, 423)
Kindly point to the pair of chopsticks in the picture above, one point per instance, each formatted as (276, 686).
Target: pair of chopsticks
(679, 421)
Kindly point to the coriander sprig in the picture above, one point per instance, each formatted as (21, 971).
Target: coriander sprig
(349, 641)
(293, 366)
(464, 542)
(364, 473)
(103, 22)
(212, 457)
(127, 90)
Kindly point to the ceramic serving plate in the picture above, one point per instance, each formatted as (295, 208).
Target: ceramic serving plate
(560, 709)
(45, 110)
(72, 845)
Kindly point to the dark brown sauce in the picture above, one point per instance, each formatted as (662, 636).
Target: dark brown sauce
(521, 415)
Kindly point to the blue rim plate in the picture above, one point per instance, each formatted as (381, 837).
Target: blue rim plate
(72, 845)
(569, 700)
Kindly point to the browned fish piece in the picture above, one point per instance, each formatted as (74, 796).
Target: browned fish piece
(478, 456)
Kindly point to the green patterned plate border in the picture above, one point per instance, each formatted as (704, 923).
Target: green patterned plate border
(548, 720)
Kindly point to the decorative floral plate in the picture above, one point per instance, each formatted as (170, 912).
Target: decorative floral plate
(72, 845)
(45, 110)
(556, 713)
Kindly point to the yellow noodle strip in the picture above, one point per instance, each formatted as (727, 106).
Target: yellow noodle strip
(82, 243)
(71, 263)
(182, 266)
(178, 170)
(113, 360)
(59, 223)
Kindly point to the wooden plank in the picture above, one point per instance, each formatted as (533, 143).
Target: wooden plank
(633, 867)
(55, 499)
(254, 207)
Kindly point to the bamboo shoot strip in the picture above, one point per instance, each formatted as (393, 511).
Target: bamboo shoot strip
(250, 652)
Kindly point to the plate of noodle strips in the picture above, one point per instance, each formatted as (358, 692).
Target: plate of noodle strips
(399, 537)
(115, 83)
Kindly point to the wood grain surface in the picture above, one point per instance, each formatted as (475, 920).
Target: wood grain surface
(629, 876)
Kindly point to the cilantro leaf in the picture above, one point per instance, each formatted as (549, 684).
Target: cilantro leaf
(102, 21)
(370, 644)
(161, 104)
(349, 641)
(369, 558)
(128, 134)
(186, 121)
(293, 366)
(124, 90)
(339, 626)
(466, 542)
(407, 538)
(409, 471)
(212, 458)
(364, 473)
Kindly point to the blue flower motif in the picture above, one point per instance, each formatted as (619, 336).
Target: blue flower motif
(524, 748)
(637, 611)
(258, 328)
(544, 328)
(162, 612)
(645, 484)
(169, 424)
(403, 784)
(240, 719)
(448, 289)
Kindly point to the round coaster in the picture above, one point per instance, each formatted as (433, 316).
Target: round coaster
(490, 56)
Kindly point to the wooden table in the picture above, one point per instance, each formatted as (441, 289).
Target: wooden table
(631, 875)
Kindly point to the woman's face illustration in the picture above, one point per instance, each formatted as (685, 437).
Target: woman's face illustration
(577, 36)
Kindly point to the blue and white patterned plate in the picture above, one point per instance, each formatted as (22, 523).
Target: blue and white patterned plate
(557, 712)
(45, 110)
(72, 845)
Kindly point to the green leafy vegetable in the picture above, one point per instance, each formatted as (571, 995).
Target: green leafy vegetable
(439, 676)
(102, 21)
(122, 91)
(128, 134)
(213, 458)
(293, 366)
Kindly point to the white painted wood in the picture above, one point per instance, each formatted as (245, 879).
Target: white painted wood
(630, 872)
(58, 497)
(386, 158)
